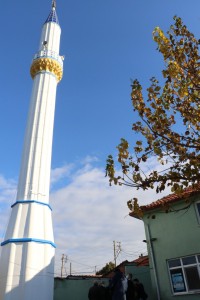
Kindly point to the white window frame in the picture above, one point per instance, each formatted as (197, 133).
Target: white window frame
(197, 211)
(183, 267)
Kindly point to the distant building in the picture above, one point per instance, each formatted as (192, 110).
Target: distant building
(172, 226)
(139, 268)
(141, 261)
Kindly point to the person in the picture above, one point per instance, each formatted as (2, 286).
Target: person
(109, 291)
(130, 293)
(94, 292)
(118, 285)
(102, 291)
(139, 290)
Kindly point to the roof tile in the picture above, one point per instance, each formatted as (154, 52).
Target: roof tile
(172, 198)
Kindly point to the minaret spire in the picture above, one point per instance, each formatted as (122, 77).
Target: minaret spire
(28, 249)
(54, 4)
(52, 16)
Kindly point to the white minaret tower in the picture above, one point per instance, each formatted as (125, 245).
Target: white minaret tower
(27, 254)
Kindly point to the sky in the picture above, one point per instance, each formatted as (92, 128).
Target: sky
(106, 44)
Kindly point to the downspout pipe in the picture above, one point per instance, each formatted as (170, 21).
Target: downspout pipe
(153, 262)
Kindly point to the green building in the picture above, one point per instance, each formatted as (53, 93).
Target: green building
(172, 226)
(77, 287)
(139, 269)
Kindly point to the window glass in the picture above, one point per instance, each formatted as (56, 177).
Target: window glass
(189, 260)
(198, 207)
(185, 274)
(174, 263)
(192, 277)
(177, 280)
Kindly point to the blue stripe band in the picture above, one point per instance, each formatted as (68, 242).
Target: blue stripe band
(31, 201)
(27, 240)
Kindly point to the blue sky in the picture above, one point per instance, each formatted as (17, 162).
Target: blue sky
(105, 43)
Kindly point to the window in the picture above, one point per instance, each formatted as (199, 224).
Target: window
(185, 274)
(198, 210)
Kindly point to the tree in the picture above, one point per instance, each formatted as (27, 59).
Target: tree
(169, 120)
(108, 267)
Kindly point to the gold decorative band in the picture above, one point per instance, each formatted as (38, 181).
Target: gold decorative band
(46, 64)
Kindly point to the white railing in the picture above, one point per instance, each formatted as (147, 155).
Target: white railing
(50, 54)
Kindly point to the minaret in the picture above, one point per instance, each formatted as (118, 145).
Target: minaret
(27, 254)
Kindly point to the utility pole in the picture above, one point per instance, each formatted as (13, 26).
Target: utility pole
(70, 272)
(63, 260)
(117, 250)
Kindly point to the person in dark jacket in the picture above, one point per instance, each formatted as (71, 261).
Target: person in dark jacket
(118, 285)
(94, 292)
(139, 288)
(130, 293)
(103, 291)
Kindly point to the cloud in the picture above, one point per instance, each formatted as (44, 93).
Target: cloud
(59, 173)
(88, 215)
(89, 159)
(8, 189)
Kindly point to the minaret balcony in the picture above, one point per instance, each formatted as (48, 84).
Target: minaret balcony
(47, 61)
(49, 54)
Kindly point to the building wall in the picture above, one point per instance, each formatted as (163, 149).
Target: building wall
(74, 289)
(77, 288)
(177, 234)
(143, 274)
